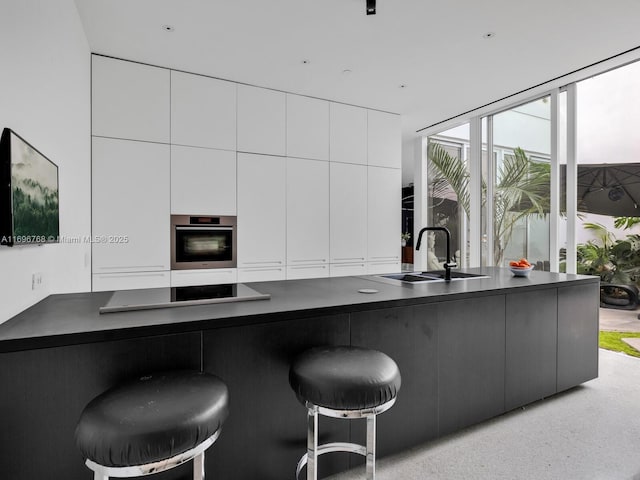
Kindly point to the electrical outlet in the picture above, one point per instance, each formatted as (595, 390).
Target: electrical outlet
(36, 281)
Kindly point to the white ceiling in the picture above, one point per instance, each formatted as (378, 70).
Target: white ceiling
(436, 49)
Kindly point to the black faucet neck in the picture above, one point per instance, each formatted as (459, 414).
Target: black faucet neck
(448, 264)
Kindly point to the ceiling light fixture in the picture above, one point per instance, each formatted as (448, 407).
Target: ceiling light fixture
(371, 7)
(488, 35)
(346, 72)
(402, 86)
(168, 28)
(306, 62)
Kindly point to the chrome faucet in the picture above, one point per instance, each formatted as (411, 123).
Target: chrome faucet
(448, 265)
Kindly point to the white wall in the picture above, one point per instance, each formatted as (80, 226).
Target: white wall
(44, 97)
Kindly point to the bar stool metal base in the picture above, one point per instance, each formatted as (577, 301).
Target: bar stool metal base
(310, 459)
(196, 454)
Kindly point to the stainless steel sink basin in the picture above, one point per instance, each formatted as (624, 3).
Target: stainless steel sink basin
(431, 276)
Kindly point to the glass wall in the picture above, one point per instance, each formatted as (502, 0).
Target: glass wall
(608, 175)
(448, 197)
(517, 192)
(516, 162)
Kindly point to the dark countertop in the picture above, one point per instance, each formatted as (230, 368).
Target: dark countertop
(68, 319)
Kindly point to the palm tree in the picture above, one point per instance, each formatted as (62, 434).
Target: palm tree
(521, 190)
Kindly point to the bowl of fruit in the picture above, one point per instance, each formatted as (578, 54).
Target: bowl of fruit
(521, 268)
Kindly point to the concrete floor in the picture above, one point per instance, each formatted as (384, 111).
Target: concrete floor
(619, 320)
(591, 432)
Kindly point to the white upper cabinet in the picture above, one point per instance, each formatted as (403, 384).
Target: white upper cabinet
(130, 100)
(348, 134)
(203, 111)
(307, 127)
(307, 212)
(130, 206)
(261, 120)
(384, 139)
(384, 214)
(203, 181)
(348, 212)
(261, 212)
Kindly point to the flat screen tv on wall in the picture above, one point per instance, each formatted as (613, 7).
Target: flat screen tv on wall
(29, 211)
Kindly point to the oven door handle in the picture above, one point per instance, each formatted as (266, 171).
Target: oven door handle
(204, 227)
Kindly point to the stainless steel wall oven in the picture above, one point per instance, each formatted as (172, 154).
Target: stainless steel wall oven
(201, 241)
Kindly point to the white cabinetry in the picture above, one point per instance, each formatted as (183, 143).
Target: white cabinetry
(347, 269)
(307, 218)
(297, 272)
(384, 139)
(261, 120)
(203, 181)
(130, 100)
(384, 217)
(261, 211)
(203, 111)
(348, 134)
(185, 278)
(130, 206)
(261, 274)
(348, 213)
(103, 282)
(307, 127)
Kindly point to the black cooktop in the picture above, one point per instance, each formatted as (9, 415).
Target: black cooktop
(144, 299)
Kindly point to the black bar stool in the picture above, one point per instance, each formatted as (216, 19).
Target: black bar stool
(152, 424)
(343, 382)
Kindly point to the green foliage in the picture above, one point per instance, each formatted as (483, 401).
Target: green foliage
(521, 190)
(626, 222)
(613, 260)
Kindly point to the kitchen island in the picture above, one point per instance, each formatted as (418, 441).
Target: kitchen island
(468, 350)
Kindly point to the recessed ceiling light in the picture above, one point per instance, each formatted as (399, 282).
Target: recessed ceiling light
(306, 62)
(168, 28)
(402, 86)
(488, 35)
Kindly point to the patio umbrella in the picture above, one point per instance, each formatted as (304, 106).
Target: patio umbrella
(608, 189)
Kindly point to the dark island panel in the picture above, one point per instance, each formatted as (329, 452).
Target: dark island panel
(409, 336)
(578, 326)
(44, 391)
(265, 434)
(471, 360)
(532, 337)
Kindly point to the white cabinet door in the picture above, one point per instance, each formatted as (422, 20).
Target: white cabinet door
(203, 111)
(376, 268)
(347, 269)
(130, 206)
(348, 213)
(205, 276)
(203, 181)
(129, 100)
(384, 214)
(348, 134)
(298, 272)
(307, 127)
(261, 120)
(384, 139)
(261, 274)
(103, 282)
(261, 210)
(307, 212)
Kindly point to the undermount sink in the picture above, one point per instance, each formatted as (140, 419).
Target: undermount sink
(431, 276)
